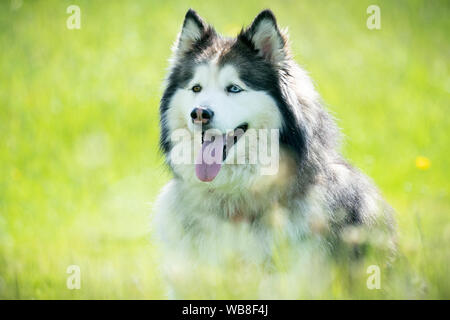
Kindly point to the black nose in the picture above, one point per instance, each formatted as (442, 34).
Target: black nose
(202, 115)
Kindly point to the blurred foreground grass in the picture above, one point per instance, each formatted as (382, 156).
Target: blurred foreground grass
(79, 124)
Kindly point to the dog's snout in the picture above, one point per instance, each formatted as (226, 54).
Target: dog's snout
(202, 115)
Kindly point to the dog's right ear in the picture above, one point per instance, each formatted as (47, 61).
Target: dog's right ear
(193, 30)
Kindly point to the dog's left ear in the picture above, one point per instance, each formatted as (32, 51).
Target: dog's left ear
(264, 36)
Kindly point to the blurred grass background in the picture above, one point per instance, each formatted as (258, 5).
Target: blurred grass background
(79, 127)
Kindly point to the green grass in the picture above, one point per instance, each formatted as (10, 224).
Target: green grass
(79, 162)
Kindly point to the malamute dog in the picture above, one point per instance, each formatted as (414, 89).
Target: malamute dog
(211, 210)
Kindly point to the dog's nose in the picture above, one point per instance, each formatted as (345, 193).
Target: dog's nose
(202, 115)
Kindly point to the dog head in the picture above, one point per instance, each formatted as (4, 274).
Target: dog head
(229, 86)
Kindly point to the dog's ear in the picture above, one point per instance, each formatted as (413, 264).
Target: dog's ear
(193, 30)
(264, 36)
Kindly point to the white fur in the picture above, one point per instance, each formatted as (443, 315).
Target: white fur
(219, 212)
(219, 233)
(256, 108)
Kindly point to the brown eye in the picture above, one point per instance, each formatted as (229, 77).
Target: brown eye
(197, 88)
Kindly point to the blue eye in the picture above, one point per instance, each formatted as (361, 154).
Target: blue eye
(234, 88)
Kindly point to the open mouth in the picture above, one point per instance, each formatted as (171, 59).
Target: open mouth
(232, 138)
(214, 151)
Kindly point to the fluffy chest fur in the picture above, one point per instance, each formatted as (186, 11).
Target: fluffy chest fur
(207, 223)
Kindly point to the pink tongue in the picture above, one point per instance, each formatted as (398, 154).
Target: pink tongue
(208, 166)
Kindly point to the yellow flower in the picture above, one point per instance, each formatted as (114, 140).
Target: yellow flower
(423, 163)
